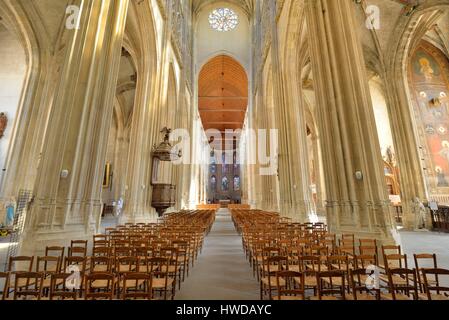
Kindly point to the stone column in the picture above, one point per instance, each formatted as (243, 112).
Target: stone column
(321, 211)
(293, 167)
(356, 203)
(78, 129)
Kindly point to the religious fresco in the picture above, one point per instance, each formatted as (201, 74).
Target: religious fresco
(429, 83)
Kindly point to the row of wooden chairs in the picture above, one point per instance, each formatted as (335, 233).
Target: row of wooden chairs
(274, 245)
(132, 261)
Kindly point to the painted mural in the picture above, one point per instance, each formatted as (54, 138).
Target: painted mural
(429, 83)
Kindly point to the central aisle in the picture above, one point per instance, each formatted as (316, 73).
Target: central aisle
(221, 271)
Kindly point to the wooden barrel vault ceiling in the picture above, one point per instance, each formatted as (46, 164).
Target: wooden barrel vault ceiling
(222, 94)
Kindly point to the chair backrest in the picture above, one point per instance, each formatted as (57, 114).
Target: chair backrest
(48, 265)
(390, 249)
(5, 291)
(436, 287)
(59, 289)
(394, 261)
(28, 284)
(127, 264)
(21, 263)
(337, 287)
(122, 251)
(107, 291)
(100, 264)
(338, 262)
(424, 260)
(403, 280)
(430, 258)
(358, 283)
(77, 252)
(78, 244)
(79, 262)
(363, 261)
(140, 288)
(310, 264)
(158, 266)
(102, 251)
(290, 284)
(55, 251)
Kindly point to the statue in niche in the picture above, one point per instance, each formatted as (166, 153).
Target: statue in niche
(3, 124)
(389, 156)
(441, 178)
(420, 214)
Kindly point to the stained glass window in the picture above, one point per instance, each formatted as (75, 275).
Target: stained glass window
(223, 19)
(236, 183)
(225, 184)
(213, 183)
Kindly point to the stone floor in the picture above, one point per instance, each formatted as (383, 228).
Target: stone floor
(221, 271)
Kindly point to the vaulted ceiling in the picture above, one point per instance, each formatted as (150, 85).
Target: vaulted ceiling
(126, 87)
(222, 94)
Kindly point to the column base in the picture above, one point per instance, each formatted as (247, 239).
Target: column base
(34, 243)
(150, 217)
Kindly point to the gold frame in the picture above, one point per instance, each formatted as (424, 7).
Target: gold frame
(107, 175)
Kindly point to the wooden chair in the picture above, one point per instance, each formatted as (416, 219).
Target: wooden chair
(389, 250)
(271, 265)
(55, 251)
(161, 282)
(432, 287)
(184, 256)
(28, 284)
(102, 251)
(59, 289)
(428, 261)
(100, 240)
(174, 269)
(402, 285)
(94, 292)
(76, 265)
(363, 261)
(48, 266)
(4, 276)
(19, 264)
(78, 248)
(137, 285)
(125, 265)
(394, 261)
(100, 264)
(359, 287)
(290, 285)
(337, 263)
(310, 266)
(336, 291)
